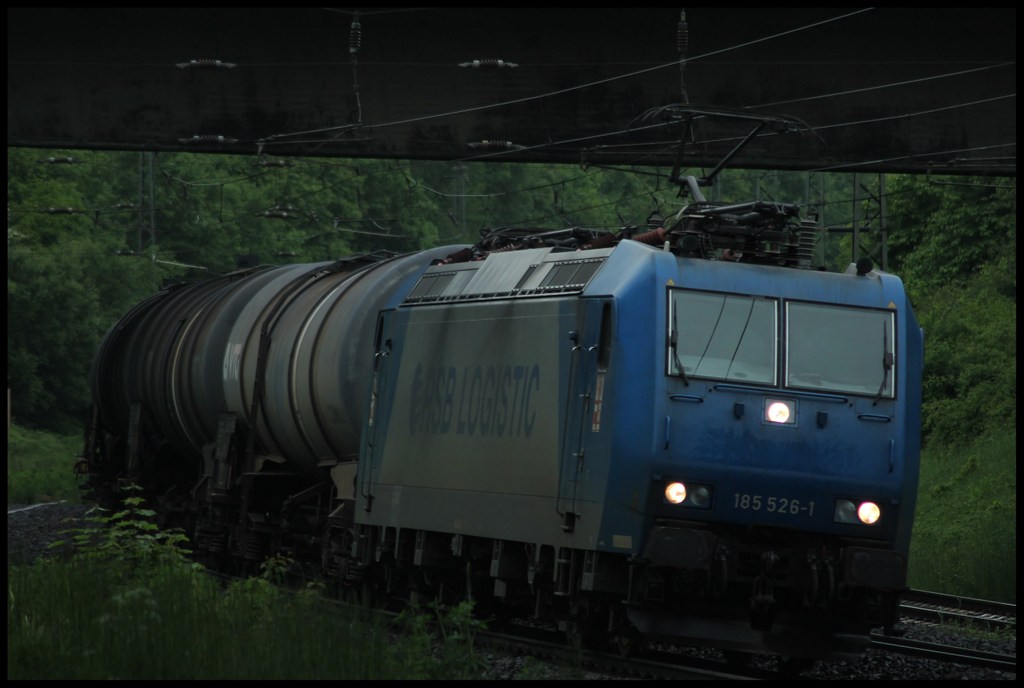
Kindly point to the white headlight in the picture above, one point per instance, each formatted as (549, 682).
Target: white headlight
(675, 493)
(868, 513)
(856, 513)
(780, 411)
(693, 495)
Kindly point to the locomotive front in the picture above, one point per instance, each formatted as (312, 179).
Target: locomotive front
(783, 462)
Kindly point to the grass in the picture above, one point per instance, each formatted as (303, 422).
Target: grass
(130, 605)
(965, 532)
(40, 467)
(78, 621)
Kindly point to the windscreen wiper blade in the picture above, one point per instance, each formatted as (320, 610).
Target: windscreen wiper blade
(674, 343)
(886, 364)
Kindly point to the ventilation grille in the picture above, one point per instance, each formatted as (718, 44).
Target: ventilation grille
(503, 279)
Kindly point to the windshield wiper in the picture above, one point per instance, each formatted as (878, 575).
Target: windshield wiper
(739, 340)
(674, 343)
(886, 364)
(718, 321)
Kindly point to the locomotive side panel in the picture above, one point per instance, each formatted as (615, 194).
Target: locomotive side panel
(471, 431)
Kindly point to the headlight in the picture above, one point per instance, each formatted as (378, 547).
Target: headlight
(675, 493)
(695, 496)
(868, 513)
(780, 411)
(858, 513)
(700, 497)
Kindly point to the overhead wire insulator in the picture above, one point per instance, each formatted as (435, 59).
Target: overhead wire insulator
(654, 237)
(604, 240)
(506, 145)
(683, 46)
(66, 160)
(355, 40)
(460, 256)
(205, 64)
(208, 138)
(62, 211)
(476, 64)
(683, 36)
(355, 36)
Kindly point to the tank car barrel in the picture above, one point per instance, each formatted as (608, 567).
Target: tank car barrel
(297, 335)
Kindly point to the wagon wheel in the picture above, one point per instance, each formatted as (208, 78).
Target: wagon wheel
(629, 642)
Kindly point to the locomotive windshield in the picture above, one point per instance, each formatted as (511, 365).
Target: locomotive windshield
(722, 336)
(840, 349)
(827, 348)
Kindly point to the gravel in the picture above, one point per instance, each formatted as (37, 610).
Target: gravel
(30, 529)
(883, 665)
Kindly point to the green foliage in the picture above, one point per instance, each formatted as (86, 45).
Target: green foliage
(65, 285)
(130, 605)
(440, 643)
(970, 380)
(40, 466)
(954, 244)
(965, 533)
(944, 231)
(128, 540)
(81, 620)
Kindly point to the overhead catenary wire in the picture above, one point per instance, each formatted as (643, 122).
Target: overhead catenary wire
(269, 140)
(667, 144)
(672, 143)
(894, 84)
(549, 145)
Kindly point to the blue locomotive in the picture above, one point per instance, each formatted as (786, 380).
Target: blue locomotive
(679, 431)
(720, 451)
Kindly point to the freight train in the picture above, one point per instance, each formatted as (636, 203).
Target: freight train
(678, 431)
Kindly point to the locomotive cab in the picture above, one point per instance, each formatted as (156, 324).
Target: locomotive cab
(782, 497)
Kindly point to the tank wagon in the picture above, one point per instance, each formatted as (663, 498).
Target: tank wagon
(678, 431)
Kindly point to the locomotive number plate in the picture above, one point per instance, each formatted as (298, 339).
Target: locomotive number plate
(772, 505)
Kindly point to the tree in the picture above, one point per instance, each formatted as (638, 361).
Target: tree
(65, 286)
(946, 230)
(954, 243)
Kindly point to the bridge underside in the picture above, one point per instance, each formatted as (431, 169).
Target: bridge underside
(888, 89)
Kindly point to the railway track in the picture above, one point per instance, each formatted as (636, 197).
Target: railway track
(932, 607)
(549, 646)
(918, 607)
(945, 653)
(667, 665)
